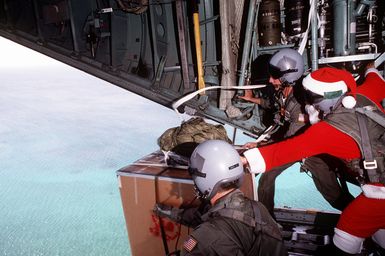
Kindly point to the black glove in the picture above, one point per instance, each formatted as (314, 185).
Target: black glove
(167, 211)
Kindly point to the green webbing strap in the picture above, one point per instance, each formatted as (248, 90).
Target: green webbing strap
(237, 215)
(370, 164)
(252, 222)
(375, 116)
(162, 230)
(256, 248)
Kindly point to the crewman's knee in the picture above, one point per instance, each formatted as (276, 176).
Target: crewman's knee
(379, 237)
(347, 242)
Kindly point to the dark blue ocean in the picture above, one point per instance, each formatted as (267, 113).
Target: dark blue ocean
(63, 135)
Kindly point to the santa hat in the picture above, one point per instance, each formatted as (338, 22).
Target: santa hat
(331, 83)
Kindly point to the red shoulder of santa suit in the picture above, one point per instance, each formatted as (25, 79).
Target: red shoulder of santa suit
(318, 139)
(373, 87)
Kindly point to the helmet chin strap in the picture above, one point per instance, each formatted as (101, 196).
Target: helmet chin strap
(285, 83)
(203, 196)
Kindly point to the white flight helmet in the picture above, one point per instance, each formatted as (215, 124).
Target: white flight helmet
(286, 65)
(215, 163)
(326, 86)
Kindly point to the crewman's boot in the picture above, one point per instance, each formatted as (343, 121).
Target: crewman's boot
(338, 252)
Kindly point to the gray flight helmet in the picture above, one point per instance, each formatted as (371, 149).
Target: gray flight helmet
(287, 65)
(215, 163)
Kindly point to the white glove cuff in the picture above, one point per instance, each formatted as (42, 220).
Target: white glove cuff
(255, 159)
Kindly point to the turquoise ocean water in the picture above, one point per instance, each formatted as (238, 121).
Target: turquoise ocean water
(63, 135)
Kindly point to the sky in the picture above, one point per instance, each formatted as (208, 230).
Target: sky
(13, 55)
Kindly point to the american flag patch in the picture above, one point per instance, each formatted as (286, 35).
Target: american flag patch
(189, 244)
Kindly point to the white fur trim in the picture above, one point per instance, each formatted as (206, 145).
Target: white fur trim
(379, 237)
(372, 191)
(349, 102)
(319, 87)
(347, 242)
(256, 162)
(374, 70)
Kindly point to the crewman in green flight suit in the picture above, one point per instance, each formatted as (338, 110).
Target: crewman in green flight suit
(234, 225)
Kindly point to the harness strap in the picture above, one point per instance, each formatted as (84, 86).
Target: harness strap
(376, 117)
(257, 214)
(269, 230)
(370, 164)
(255, 222)
(237, 215)
(261, 228)
(162, 229)
(290, 104)
(240, 216)
(256, 248)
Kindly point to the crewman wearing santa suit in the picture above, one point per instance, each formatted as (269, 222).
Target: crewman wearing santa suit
(339, 134)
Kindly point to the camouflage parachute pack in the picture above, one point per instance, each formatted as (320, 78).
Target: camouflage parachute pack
(184, 138)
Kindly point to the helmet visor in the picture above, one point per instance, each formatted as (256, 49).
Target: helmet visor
(196, 172)
(314, 98)
(276, 73)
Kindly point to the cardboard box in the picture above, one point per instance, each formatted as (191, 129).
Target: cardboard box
(149, 181)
